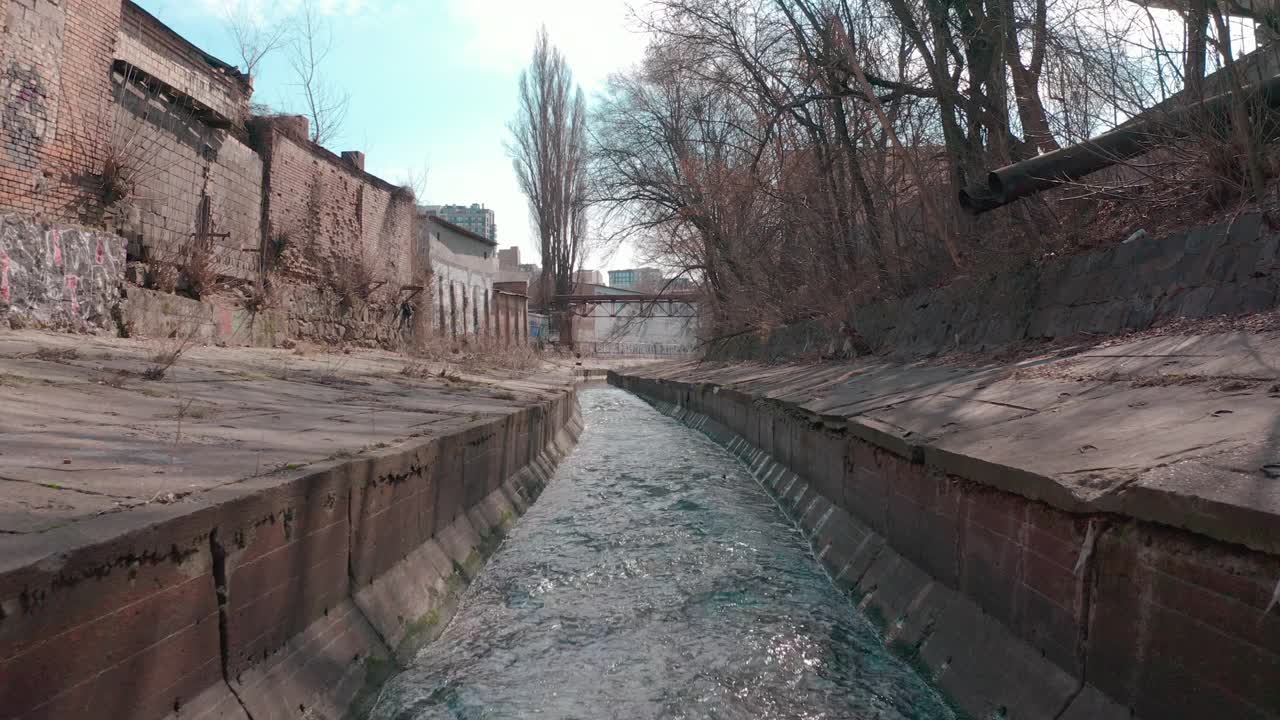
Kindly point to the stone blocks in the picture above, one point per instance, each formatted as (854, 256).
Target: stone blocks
(1224, 269)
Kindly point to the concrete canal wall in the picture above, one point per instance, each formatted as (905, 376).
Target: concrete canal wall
(283, 596)
(1020, 594)
(1230, 268)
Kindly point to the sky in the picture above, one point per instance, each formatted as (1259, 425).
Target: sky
(432, 83)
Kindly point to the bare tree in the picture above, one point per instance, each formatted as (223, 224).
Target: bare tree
(549, 152)
(326, 105)
(798, 156)
(415, 180)
(254, 41)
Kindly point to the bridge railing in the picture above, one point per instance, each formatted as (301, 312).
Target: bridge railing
(635, 349)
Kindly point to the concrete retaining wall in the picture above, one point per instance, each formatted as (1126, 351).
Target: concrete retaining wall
(1224, 269)
(153, 314)
(282, 596)
(1015, 608)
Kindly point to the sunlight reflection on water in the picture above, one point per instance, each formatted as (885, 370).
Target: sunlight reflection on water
(655, 579)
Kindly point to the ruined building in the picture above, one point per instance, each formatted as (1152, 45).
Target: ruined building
(138, 194)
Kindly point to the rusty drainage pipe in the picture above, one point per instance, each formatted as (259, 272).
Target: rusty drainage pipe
(1034, 175)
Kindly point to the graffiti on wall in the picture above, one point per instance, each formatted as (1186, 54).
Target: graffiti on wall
(59, 276)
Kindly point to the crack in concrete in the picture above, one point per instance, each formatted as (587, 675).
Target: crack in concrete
(991, 402)
(1174, 355)
(1087, 570)
(70, 470)
(51, 486)
(1199, 447)
(218, 569)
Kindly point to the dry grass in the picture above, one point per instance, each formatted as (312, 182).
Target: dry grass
(199, 268)
(331, 371)
(1163, 380)
(113, 188)
(193, 411)
(118, 379)
(167, 354)
(480, 354)
(262, 294)
(163, 277)
(417, 370)
(353, 280)
(422, 371)
(55, 354)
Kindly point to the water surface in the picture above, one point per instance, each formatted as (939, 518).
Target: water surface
(655, 579)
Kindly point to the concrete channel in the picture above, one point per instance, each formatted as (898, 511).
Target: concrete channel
(1022, 592)
(1129, 578)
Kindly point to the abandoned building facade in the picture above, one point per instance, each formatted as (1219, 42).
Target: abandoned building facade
(131, 154)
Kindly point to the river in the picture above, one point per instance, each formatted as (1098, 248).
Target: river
(655, 579)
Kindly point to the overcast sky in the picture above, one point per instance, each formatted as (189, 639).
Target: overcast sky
(433, 82)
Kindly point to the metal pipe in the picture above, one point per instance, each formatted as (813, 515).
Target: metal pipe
(1060, 166)
(1134, 138)
(977, 199)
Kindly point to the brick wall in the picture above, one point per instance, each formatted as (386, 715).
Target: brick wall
(54, 59)
(85, 82)
(147, 44)
(176, 119)
(186, 170)
(345, 242)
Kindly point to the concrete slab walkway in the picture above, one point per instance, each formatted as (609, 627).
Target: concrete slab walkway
(82, 434)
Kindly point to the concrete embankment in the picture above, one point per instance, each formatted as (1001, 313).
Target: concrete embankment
(1093, 537)
(257, 535)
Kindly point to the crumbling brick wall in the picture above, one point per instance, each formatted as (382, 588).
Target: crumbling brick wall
(178, 123)
(54, 119)
(213, 85)
(342, 241)
(111, 120)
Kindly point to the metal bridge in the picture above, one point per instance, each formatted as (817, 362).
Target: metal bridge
(636, 305)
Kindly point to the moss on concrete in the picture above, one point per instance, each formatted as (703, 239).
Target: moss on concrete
(428, 627)
(376, 674)
(420, 632)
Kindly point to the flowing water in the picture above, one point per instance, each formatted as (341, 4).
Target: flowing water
(655, 579)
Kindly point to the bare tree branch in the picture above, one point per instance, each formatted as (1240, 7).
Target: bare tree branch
(326, 105)
(253, 41)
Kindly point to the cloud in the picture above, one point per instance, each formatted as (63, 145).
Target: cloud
(594, 35)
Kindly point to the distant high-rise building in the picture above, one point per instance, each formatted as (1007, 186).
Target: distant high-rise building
(474, 218)
(642, 279)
